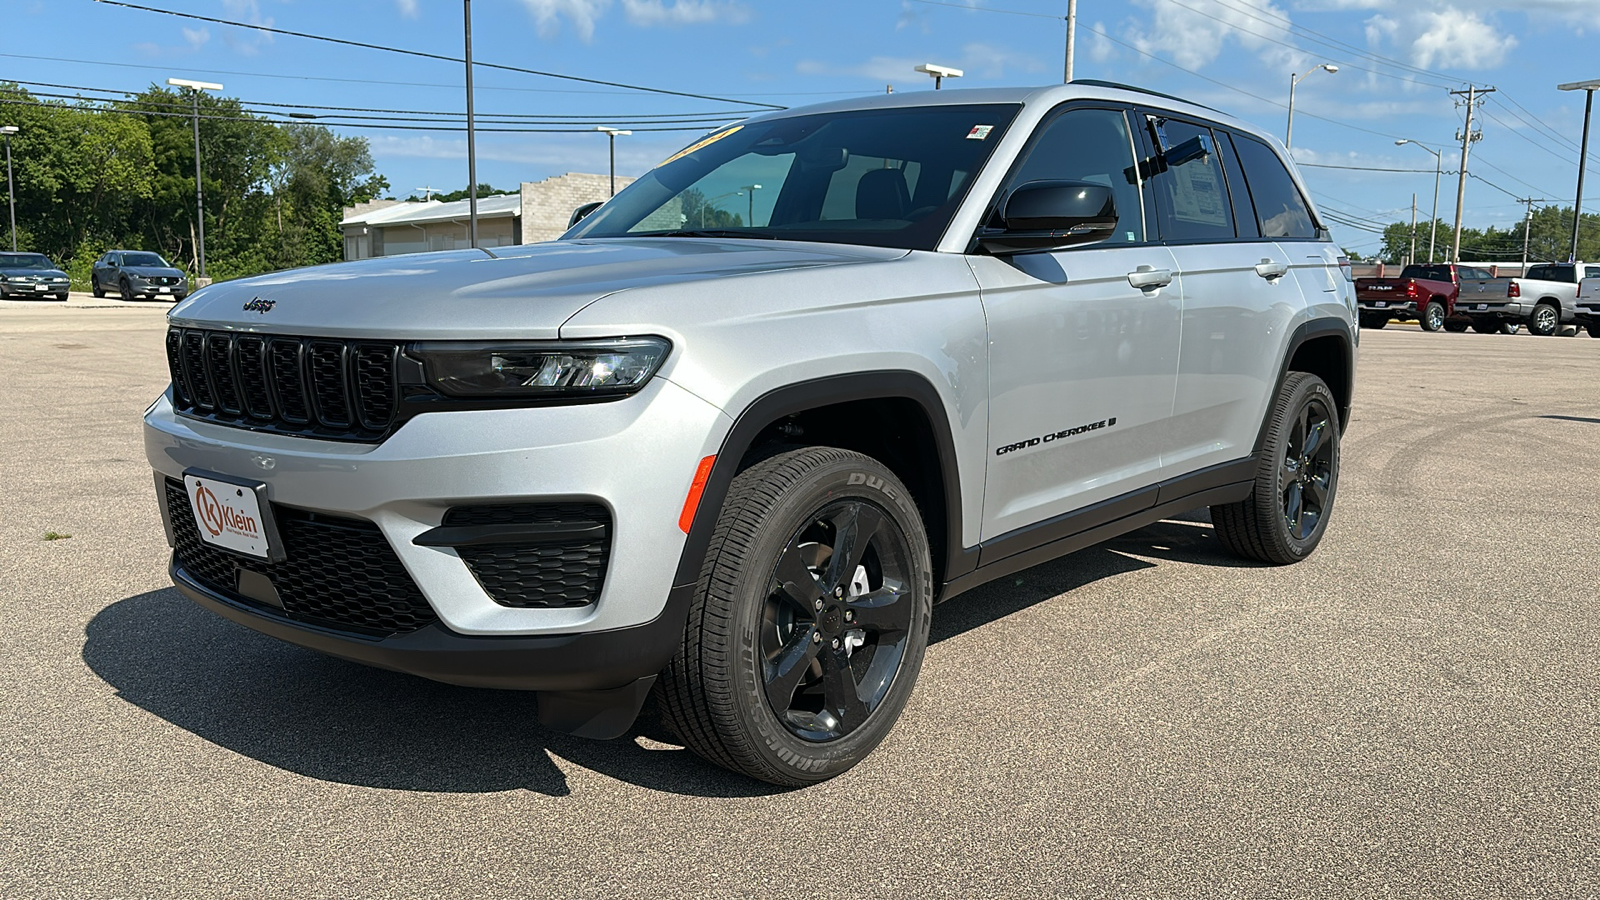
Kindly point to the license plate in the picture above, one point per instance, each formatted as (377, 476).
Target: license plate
(228, 515)
(163, 290)
(1481, 306)
(41, 287)
(1381, 304)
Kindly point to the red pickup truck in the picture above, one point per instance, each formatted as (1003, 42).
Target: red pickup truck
(1426, 293)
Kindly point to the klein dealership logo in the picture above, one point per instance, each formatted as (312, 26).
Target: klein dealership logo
(219, 516)
(258, 305)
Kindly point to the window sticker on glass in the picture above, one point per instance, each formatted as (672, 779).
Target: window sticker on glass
(979, 132)
(698, 145)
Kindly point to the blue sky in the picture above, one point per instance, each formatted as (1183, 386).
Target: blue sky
(1235, 55)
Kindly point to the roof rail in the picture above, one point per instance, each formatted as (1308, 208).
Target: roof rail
(1095, 82)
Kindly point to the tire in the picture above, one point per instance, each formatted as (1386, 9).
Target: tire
(62, 297)
(1432, 318)
(1545, 321)
(94, 285)
(1455, 326)
(1594, 329)
(1485, 326)
(1285, 516)
(746, 651)
(1374, 321)
(122, 287)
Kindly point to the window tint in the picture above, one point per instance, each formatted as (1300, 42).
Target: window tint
(1192, 198)
(1092, 145)
(1244, 212)
(1280, 209)
(1552, 273)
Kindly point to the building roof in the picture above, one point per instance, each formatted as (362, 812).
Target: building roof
(502, 206)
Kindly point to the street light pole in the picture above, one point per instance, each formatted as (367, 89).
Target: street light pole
(750, 211)
(1072, 30)
(11, 187)
(1588, 88)
(472, 145)
(1288, 133)
(612, 133)
(1438, 163)
(195, 87)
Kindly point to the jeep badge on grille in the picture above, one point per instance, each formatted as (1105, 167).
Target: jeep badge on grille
(259, 305)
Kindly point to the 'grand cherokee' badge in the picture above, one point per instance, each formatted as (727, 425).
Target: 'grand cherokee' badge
(259, 305)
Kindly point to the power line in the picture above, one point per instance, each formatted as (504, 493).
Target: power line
(1360, 168)
(433, 56)
(1378, 58)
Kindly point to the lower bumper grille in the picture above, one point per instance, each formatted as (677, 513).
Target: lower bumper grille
(340, 573)
(550, 574)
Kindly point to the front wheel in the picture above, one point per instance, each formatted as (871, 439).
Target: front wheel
(1509, 327)
(125, 290)
(809, 622)
(1286, 514)
(1545, 320)
(1432, 318)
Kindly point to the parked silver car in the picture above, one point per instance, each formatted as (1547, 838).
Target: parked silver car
(732, 449)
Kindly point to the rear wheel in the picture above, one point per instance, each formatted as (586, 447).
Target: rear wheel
(1509, 327)
(810, 620)
(94, 285)
(1432, 318)
(1455, 326)
(1545, 320)
(1285, 516)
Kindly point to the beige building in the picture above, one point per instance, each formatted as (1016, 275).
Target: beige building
(539, 211)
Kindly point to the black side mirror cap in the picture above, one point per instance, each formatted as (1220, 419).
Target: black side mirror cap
(1051, 215)
(582, 212)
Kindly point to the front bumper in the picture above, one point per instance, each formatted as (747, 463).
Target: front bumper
(636, 457)
(33, 290)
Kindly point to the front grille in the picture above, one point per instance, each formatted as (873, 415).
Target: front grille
(546, 575)
(339, 573)
(313, 387)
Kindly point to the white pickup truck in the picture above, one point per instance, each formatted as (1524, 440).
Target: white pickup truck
(1545, 298)
(1586, 312)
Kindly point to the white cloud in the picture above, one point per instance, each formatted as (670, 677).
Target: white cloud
(1452, 39)
(1100, 47)
(408, 8)
(684, 12)
(582, 14)
(1193, 38)
(246, 43)
(197, 37)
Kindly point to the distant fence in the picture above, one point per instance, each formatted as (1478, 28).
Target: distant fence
(1385, 270)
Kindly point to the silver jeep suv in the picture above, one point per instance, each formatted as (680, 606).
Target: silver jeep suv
(730, 445)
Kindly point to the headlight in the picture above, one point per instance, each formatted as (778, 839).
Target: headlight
(536, 369)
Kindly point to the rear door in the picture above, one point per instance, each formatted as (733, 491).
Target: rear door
(1240, 293)
(1082, 362)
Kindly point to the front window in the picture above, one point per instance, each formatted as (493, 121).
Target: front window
(145, 259)
(889, 178)
(25, 261)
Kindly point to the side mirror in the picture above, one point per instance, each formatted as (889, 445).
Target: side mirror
(1050, 215)
(1197, 147)
(582, 212)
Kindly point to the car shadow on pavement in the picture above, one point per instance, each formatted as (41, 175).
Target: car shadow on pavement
(342, 722)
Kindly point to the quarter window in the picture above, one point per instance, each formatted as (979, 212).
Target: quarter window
(1280, 209)
(1094, 146)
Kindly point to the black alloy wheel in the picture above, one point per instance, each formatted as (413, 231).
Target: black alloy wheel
(1509, 327)
(125, 289)
(94, 286)
(1297, 477)
(1455, 326)
(1432, 318)
(836, 620)
(1544, 321)
(809, 622)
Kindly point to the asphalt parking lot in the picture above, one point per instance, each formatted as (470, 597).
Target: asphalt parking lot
(1415, 711)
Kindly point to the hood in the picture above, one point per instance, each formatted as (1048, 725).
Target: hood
(153, 271)
(525, 291)
(35, 274)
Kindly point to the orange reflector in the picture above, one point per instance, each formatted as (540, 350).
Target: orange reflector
(692, 502)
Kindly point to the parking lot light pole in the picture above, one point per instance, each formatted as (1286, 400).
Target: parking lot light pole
(11, 186)
(195, 87)
(1288, 133)
(612, 133)
(1588, 88)
(1438, 162)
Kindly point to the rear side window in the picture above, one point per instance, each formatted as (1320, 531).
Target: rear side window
(1566, 274)
(1192, 198)
(1591, 271)
(1280, 209)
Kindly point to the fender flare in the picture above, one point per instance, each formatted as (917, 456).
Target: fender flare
(797, 398)
(1316, 328)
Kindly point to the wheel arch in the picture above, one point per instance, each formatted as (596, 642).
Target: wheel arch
(1326, 349)
(917, 446)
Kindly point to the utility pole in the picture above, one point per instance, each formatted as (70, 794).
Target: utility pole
(472, 149)
(1527, 227)
(1072, 30)
(11, 186)
(1413, 257)
(1467, 137)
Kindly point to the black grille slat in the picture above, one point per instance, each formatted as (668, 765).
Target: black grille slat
(219, 368)
(326, 388)
(375, 384)
(325, 361)
(289, 380)
(538, 576)
(339, 573)
(194, 369)
(251, 355)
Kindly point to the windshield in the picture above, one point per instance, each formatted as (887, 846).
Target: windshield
(25, 261)
(884, 177)
(145, 259)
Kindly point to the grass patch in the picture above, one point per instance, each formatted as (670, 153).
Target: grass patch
(55, 536)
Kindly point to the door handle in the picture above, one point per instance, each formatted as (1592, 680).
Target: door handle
(1269, 270)
(1146, 278)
